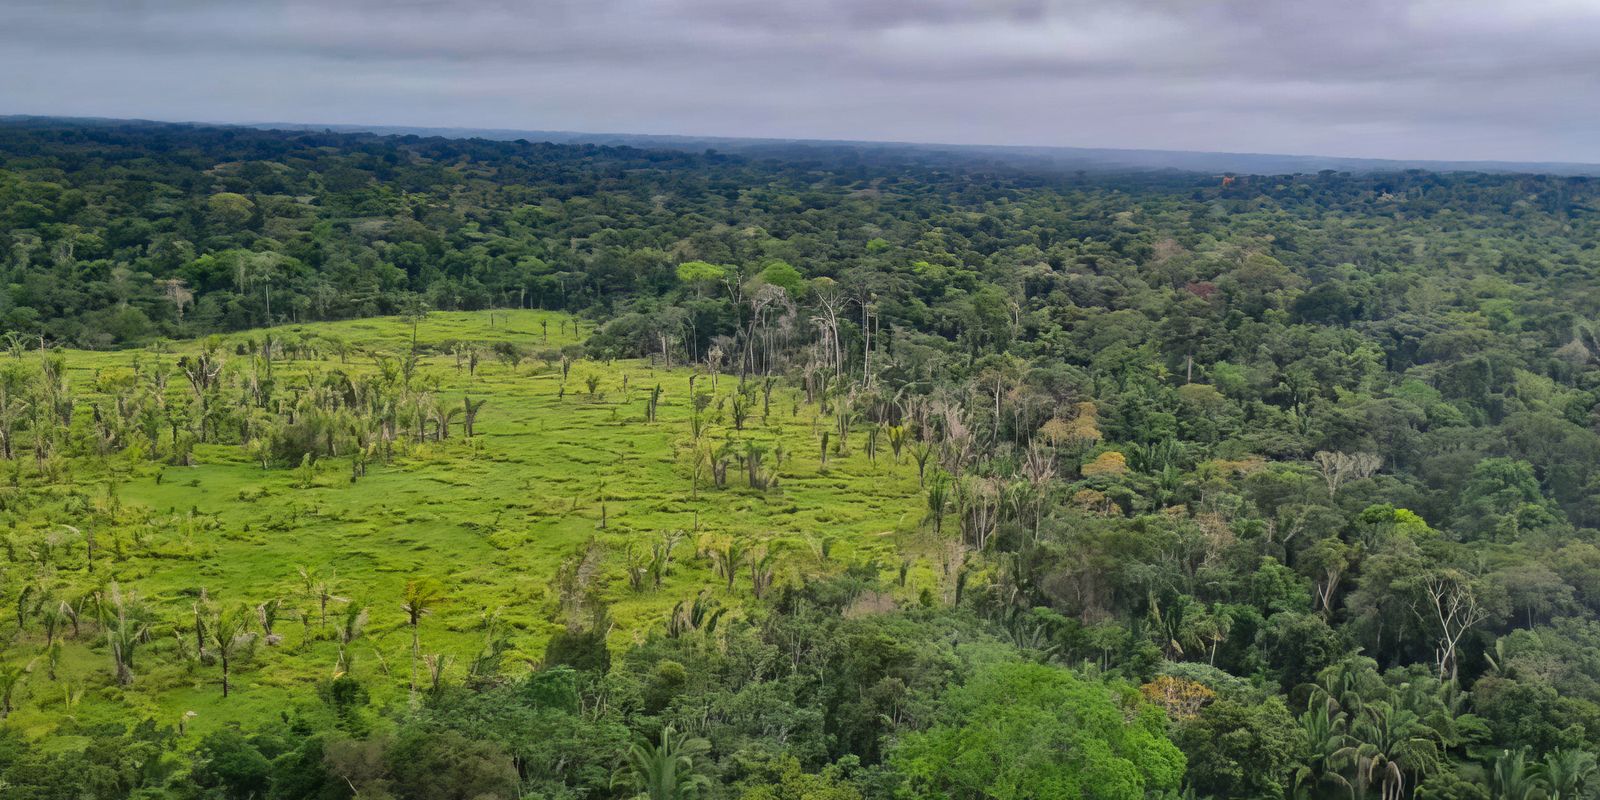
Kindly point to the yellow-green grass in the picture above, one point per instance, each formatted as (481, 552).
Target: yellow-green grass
(492, 520)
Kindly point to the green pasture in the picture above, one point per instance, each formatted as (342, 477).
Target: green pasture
(493, 519)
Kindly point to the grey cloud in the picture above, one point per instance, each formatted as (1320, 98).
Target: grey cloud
(1501, 79)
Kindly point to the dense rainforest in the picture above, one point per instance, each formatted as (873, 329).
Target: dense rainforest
(1243, 487)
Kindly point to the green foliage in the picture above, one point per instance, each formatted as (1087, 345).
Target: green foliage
(1025, 730)
(1238, 749)
(1223, 442)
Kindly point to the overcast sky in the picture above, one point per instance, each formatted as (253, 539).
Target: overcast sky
(1444, 79)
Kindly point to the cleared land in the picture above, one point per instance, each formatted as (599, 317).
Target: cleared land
(509, 522)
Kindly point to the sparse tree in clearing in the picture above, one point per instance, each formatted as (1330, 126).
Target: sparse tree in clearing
(699, 456)
(591, 382)
(320, 590)
(350, 629)
(443, 414)
(510, 354)
(761, 570)
(652, 403)
(661, 555)
(922, 451)
(758, 478)
(728, 559)
(469, 414)
(267, 614)
(413, 310)
(714, 359)
(228, 632)
(638, 568)
(122, 618)
(420, 596)
(701, 615)
(437, 663)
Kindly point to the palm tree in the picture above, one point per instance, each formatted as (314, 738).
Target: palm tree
(1388, 745)
(469, 414)
(1322, 737)
(10, 678)
(897, 440)
(1512, 778)
(938, 499)
(728, 560)
(319, 589)
(229, 630)
(421, 596)
(355, 620)
(1565, 772)
(667, 771)
(123, 620)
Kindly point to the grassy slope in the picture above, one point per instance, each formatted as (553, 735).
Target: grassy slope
(493, 521)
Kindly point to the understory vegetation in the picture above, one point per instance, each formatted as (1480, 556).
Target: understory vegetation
(341, 466)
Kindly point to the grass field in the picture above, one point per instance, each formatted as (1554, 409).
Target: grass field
(493, 519)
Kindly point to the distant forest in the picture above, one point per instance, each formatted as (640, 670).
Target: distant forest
(118, 233)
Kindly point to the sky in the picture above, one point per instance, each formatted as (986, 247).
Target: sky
(1415, 79)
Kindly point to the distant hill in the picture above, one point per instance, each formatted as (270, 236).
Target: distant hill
(835, 151)
(1092, 159)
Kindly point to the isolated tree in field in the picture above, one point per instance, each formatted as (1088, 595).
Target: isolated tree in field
(896, 434)
(668, 769)
(228, 632)
(469, 414)
(652, 404)
(351, 626)
(922, 451)
(122, 618)
(761, 569)
(728, 559)
(420, 597)
(319, 589)
(413, 310)
(267, 614)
